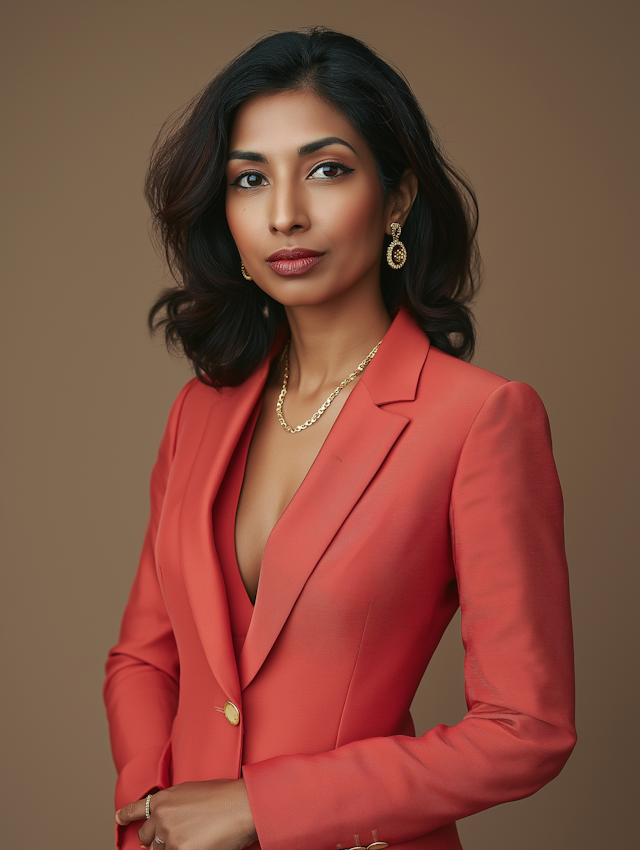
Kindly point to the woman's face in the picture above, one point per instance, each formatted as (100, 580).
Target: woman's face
(304, 202)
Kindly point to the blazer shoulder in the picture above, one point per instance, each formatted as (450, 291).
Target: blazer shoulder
(197, 401)
(195, 398)
(457, 377)
(469, 393)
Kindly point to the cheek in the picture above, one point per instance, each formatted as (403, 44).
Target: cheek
(242, 218)
(358, 219)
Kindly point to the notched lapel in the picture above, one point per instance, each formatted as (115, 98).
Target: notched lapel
(202, 574)
(355, 448)
(358, 443)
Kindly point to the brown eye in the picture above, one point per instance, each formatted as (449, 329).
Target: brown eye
(329, 171)
(250, 180)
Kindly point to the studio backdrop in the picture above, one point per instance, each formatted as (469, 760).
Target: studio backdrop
(535, 101)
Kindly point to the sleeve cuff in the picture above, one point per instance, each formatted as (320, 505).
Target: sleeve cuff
(139, 775)
(148, 771)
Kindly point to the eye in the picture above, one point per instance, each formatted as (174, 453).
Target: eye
(329, 171)
(248, 180)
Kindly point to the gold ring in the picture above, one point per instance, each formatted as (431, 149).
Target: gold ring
(147, 812)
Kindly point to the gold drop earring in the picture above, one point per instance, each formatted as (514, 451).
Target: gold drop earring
(245, 274)
(396, 252)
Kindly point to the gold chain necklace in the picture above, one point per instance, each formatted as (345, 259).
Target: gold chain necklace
(326, 404)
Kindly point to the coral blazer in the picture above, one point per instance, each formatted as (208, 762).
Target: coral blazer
(435, 488)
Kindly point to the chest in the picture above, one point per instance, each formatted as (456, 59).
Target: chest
(367, 493)
(277, 464)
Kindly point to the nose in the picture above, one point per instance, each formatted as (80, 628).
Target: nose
(288, 213)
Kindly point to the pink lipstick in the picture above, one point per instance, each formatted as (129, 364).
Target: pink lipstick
(294, 261)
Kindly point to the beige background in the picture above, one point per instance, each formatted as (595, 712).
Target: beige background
(534, 100)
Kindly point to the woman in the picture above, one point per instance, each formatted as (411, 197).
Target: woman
(335, 481)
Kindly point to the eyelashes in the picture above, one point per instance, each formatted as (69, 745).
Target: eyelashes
(342, 169)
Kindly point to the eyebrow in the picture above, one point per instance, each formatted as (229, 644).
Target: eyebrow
(305, 150)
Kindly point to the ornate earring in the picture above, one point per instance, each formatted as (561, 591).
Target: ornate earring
(396, 252)
(245, 275)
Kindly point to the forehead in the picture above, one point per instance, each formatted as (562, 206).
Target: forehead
(288, 120)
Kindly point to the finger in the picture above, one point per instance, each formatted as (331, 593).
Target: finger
(147, 833)
(134, 811)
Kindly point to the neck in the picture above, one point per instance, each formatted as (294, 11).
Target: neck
(328, 343)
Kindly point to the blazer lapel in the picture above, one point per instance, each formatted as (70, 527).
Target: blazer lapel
(228, 415)
(356, 446)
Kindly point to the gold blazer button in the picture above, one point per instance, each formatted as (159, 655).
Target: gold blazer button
(377, 845)
(232, 714)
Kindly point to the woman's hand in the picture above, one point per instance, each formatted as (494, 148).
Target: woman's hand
(211, 815)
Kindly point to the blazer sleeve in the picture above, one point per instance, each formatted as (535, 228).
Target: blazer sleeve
(142, 669)
(508, 546)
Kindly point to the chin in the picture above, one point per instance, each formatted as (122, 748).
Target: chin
(302, 293)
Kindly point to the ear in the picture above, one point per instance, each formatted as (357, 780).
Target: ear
(401, 199)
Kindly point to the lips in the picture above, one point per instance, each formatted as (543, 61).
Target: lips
(294, 261)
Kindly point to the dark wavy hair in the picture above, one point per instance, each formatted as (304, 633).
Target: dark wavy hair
(227, 325)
